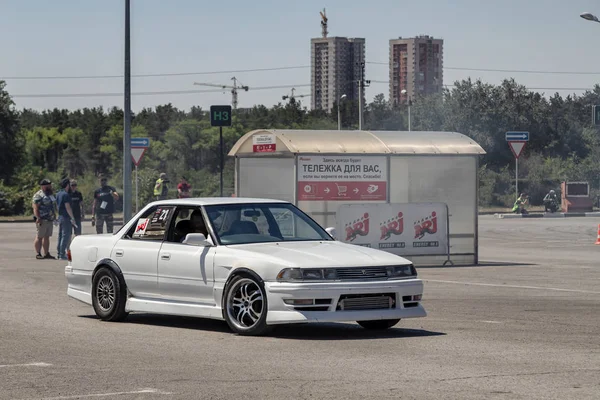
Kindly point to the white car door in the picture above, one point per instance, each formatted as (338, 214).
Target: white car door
(185, 272)
(138, 260)
(137, 252)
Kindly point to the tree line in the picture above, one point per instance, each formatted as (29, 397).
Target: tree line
(85, 143)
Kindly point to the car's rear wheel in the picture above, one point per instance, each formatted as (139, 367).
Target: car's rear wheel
(245, 306)
(380, 324)
(108, 296)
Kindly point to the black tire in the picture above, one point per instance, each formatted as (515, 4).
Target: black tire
(379, 324)
(245, 306)
(109, 296)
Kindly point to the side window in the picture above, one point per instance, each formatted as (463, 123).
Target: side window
(181, 224)
(154, 225)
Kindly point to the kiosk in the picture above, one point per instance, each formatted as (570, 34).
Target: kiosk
(575, 197)
(320, 171)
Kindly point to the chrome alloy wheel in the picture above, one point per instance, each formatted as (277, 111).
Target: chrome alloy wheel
(105, 293)
(245, 303)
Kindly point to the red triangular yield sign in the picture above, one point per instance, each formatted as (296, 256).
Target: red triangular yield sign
(136, 154)
(517, 147)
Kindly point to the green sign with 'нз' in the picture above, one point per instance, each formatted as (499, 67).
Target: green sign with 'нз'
(220, 115)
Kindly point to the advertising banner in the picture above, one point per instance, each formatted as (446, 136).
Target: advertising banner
(264, 143)
(402, 229)
(335, 178)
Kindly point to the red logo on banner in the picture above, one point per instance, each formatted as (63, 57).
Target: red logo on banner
(264, 148)
(359, 227)
(426, 225)
(393, 226)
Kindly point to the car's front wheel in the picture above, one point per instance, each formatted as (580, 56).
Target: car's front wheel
(245, 306)
(108, 296)
(380, 324)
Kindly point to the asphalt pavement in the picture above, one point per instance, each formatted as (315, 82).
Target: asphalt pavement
(522, 325)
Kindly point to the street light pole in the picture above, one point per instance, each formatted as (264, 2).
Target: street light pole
(409, 104)
(362, 83)
(127, 120)
(342, 97)
(404, 91)
(590, 17)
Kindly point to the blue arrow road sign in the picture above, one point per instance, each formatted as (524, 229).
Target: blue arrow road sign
(140, 142)
(517, 136)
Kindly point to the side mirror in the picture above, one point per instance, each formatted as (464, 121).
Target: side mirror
(197, 239)
(332, 232)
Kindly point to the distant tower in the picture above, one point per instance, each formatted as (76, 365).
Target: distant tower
(416, 68)
(323, 23)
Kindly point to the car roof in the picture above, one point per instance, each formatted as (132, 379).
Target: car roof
(210, 201)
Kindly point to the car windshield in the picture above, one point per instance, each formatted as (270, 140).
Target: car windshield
(260, 223)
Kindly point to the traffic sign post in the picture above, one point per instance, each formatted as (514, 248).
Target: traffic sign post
(220, 116)
(138, 149)
(517, 141)
(140, 142)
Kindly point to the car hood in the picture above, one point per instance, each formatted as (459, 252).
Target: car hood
(318, 254)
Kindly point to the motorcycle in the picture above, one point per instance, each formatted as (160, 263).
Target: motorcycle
(551, 205)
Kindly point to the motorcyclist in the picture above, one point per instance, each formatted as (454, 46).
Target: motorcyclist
(551, 202)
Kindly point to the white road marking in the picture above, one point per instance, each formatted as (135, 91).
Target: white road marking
(36, 364)
(79, 396)
(491, 322)
(514, 286)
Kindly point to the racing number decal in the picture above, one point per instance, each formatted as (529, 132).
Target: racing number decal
(161, 215)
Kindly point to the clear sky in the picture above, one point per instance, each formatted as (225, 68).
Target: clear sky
(85, 38)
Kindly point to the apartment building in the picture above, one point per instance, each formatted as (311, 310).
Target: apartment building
(336, 67)
(416, 66)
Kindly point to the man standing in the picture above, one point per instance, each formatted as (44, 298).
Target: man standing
(104, 206)
(44, 212)
(161, 190)
(183, 189)
(77, 206)
(66, 219)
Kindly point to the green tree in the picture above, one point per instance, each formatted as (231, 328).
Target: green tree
(73, 162)
(11, 144)
(45, 147)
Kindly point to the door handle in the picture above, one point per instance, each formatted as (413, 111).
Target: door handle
(165, 256)
(119, 253)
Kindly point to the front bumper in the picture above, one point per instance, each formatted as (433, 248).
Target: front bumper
(282, 313)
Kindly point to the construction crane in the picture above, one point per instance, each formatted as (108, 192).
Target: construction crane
(293, 95)
(323, 23)
(234, 89)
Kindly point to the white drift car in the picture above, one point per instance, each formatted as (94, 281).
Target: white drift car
(253, 263)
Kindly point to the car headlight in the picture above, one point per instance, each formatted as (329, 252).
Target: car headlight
(401, 271)
(298, 274)
(290, 274)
